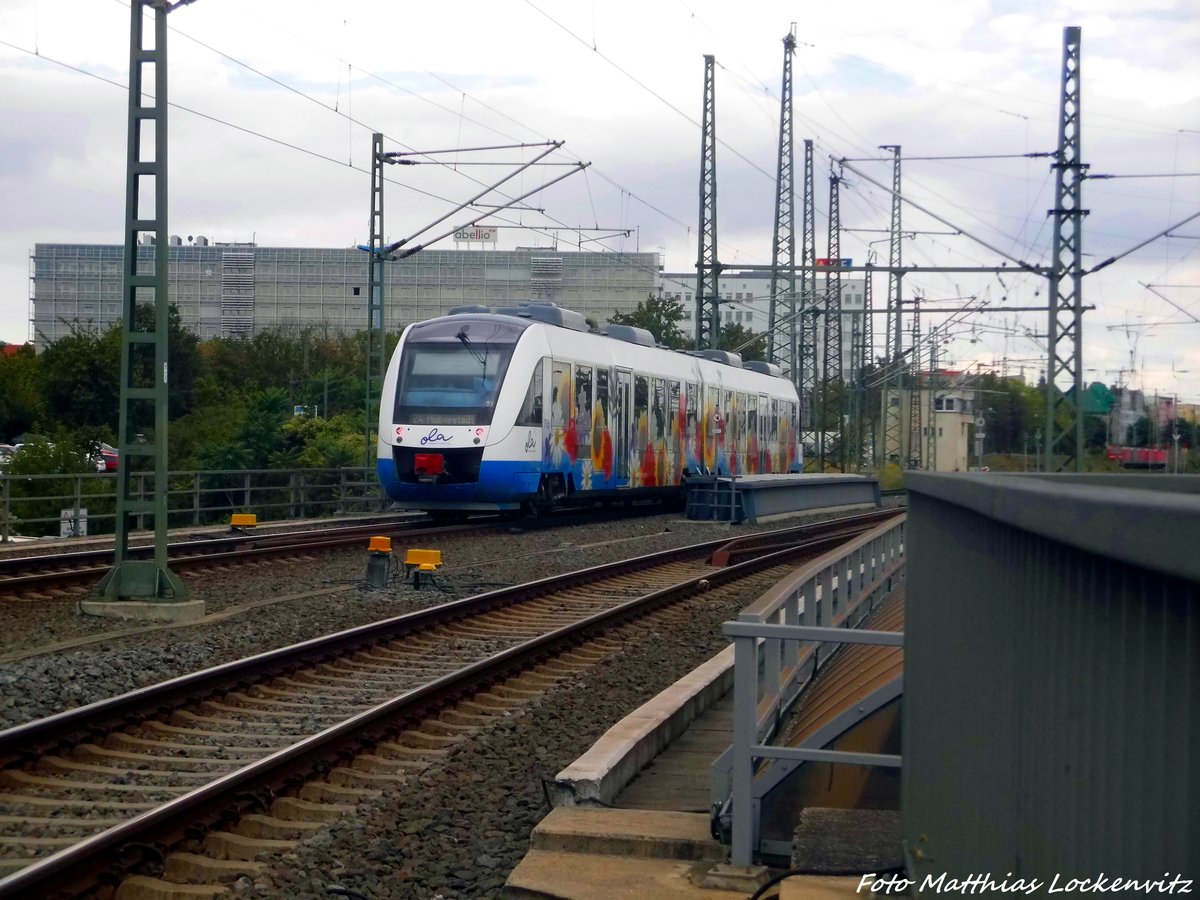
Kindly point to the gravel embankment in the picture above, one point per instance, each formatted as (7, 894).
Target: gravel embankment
(457, 829)
(312, 597)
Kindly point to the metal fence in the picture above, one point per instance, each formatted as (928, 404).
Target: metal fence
(1051, 723)
(73, 504)
(776, 652)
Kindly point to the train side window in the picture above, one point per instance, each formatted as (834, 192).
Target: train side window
(658, 418)
(583, 409)
(531, 409)
(602, 409)
(560, 399)
(641, 411)
(673, 409)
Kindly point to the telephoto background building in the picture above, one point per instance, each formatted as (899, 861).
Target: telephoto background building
(240, 289)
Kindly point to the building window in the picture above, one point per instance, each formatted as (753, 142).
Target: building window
(356, 292)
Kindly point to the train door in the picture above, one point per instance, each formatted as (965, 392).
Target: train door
(547, 385)
(756, 434)
(623, 424)
(714, 426)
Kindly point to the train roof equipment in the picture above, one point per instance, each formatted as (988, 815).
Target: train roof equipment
(549, 313)
(764, 368)
(725, 357)
(631, 334)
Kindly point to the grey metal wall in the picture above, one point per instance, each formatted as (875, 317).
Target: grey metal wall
(1051, 718)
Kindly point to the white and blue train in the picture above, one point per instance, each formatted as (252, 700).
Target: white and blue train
(524, 409)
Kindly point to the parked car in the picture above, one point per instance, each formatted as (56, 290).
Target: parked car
(105, 458)
(6, 452)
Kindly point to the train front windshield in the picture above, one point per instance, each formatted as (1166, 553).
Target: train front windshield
(451, 371)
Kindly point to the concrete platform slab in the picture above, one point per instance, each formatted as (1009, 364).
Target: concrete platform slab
(627, 833)
(617, 757)
(580, 876)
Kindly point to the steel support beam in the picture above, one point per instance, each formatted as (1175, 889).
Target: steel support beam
(831, 445)
(915, 444)
(376, 321)
(867, 438)
(708, 270)
(808, 299)
(930, 457)
(781, 315)
(145, 375)
(1064, 375)
(891, 414)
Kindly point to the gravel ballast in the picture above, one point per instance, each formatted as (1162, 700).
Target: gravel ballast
(458, 828)
(320, 595)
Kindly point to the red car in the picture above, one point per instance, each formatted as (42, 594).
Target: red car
(106, 458)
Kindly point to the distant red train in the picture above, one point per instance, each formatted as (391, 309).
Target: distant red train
(1138, 457)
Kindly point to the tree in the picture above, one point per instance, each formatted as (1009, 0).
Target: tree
(1140, 433)
(658, 315)
(80, 374)
(80, 377)
(1095, 432)
(735, 335)
(20, 398)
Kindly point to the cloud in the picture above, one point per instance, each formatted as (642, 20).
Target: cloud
(975, 78)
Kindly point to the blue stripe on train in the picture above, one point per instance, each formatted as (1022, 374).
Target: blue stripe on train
(501, 485)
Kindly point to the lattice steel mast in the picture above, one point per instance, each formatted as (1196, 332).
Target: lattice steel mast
(145, 378)
(808, 298)
(931, 436)
(865, 443)
(915, 437)
(1064, 418)
(832, 392)
(376, 322)
(708, 270)
(781, 315)
(892, 414)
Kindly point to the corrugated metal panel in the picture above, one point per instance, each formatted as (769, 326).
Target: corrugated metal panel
(1050, 714)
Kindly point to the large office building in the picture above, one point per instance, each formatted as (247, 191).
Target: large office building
(233, 290)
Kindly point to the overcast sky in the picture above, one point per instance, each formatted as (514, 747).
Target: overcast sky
(277, 99)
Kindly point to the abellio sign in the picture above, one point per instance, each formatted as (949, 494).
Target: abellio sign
(476, 234)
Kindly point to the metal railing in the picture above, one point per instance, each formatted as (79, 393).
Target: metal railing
(71, 504)
(776, 653)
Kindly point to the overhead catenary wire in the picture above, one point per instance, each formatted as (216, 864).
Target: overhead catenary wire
(407, 186)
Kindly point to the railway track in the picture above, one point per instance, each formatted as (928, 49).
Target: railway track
(40, 576)
(191, 778)
(74, 573)
(79, 570)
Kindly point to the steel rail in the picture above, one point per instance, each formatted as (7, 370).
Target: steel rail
(152, 834)
(23, 742)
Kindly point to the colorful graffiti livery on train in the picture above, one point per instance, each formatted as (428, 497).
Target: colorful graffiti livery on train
(486, 411)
